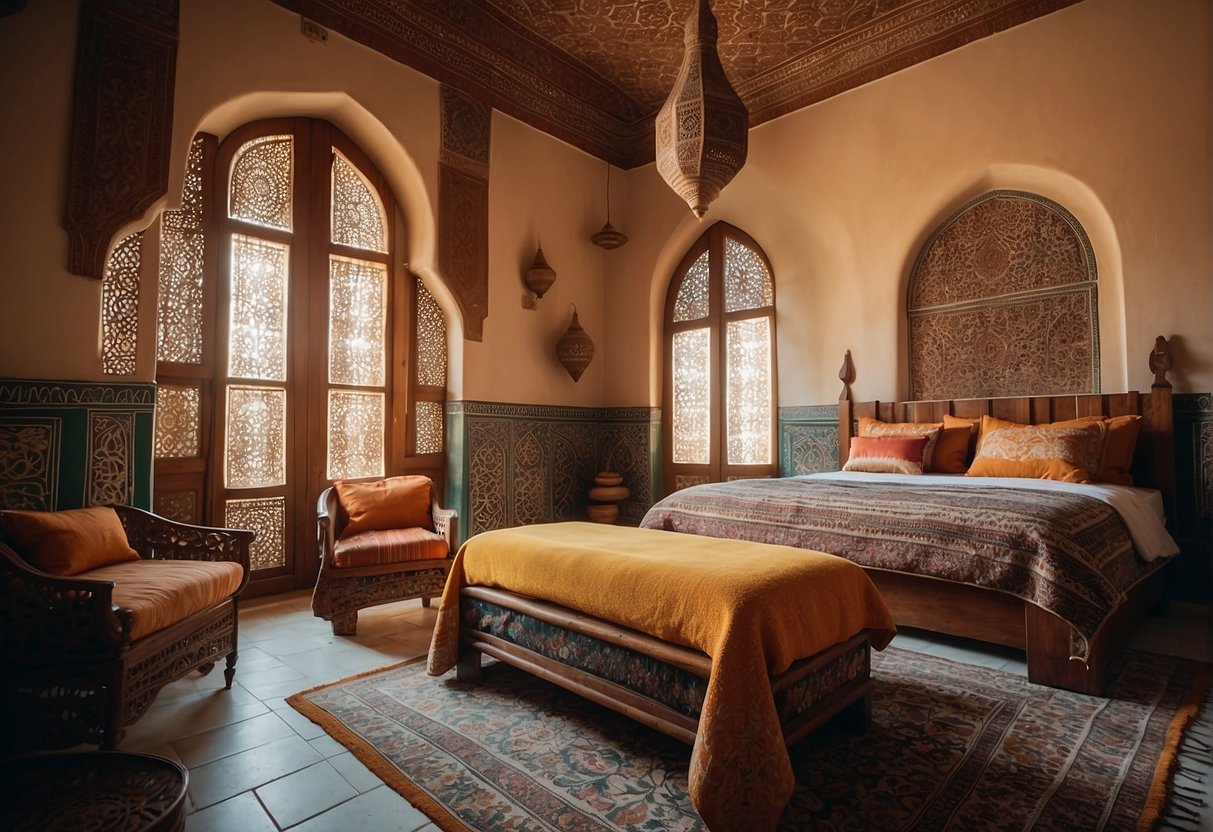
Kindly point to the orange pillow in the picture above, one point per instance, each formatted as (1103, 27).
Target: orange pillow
(951, 454)
(68, 542)
(392, 503)
(886, 454)
(1052, 452)
(1122, 442)
(1091, 458)
(931, 430)
(973, 425)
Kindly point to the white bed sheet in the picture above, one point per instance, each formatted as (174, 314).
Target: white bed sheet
(1141, 509)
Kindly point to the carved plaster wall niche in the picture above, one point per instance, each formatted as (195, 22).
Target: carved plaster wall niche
(1002, 301)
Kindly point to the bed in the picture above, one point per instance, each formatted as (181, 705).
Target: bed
(1057, 573)
(740, 649)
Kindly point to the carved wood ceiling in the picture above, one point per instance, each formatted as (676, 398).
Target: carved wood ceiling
(595, 72)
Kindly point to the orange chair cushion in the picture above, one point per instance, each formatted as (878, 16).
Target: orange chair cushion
(68, 542)
(388, 546)
(392, 503)
(160, 593)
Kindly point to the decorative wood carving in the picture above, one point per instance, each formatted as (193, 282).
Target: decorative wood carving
(1002, 302)
(122, 118)
(463, 206)
(594, 74)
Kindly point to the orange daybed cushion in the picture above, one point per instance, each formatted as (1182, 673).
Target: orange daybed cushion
(160, 593)
(68, 542)
(390, 546)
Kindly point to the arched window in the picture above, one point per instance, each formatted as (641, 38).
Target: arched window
(294, 349)
(719, 413)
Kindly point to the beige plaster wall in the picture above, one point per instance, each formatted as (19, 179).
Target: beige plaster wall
(1103, 106)
(240, 60)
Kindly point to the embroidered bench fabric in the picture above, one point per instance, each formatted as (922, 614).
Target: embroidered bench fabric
(1066, 553)
(753, 609)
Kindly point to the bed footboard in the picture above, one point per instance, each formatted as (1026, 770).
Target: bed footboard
(656, 683)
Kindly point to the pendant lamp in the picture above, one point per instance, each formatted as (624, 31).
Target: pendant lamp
(702, 129)
(575, 349)
(609, 236)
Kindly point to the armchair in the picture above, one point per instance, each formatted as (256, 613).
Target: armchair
(85, 650)
(399, 547)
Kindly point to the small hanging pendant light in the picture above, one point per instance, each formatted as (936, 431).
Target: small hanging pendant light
(575, 349)
(609, 237)
(540, 276)
(702, 130)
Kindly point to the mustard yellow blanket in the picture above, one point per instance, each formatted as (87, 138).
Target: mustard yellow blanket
(753, 608)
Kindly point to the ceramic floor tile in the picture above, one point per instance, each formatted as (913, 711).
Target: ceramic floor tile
(303, 726)
(227, 777)
(170, 722)
(354, 772)
(380, 809)
(305, 794)
(327, 746)
(209, 746)
(242, 812)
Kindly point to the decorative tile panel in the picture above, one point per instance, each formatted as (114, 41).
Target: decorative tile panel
(1193, 578)
(111, 478)
(808, 439)
(29, 466)
(73, 444)
(517, 464)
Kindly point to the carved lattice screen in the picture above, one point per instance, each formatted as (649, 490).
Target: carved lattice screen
(1002, 302)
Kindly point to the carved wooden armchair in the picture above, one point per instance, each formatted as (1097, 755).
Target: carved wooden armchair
(398, 545)
(85, 653)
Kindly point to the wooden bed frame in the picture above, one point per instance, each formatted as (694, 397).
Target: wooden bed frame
(997, 617)
(854, 696)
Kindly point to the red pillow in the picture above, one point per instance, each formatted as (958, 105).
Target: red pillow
(886, 454)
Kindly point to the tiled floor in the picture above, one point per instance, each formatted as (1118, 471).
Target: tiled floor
(255, 764)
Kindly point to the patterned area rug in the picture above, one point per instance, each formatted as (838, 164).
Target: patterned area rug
(952, 746)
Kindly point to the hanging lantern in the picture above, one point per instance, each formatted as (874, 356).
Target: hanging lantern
(575, 349)
(702, 129)
(608, 237)
(540, 276)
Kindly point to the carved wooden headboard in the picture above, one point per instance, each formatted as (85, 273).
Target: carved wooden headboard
(1154, 458)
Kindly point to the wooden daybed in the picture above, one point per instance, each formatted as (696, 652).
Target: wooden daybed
(841, 517)
(737, 648)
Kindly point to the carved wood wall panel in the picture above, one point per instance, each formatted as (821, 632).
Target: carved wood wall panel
(463, 206)
(1003, 301)
(122, 118)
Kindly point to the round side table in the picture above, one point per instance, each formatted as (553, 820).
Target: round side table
(92, 791)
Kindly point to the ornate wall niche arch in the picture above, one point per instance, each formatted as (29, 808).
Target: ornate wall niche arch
(1002, 301)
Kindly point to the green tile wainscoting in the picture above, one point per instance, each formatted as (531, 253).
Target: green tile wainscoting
(515, 464)
(1193, 580)
(808, 439)
(70, 444)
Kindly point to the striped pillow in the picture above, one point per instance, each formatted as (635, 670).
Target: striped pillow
(886, 454)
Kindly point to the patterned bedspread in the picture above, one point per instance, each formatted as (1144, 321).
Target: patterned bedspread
(1066, 553)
